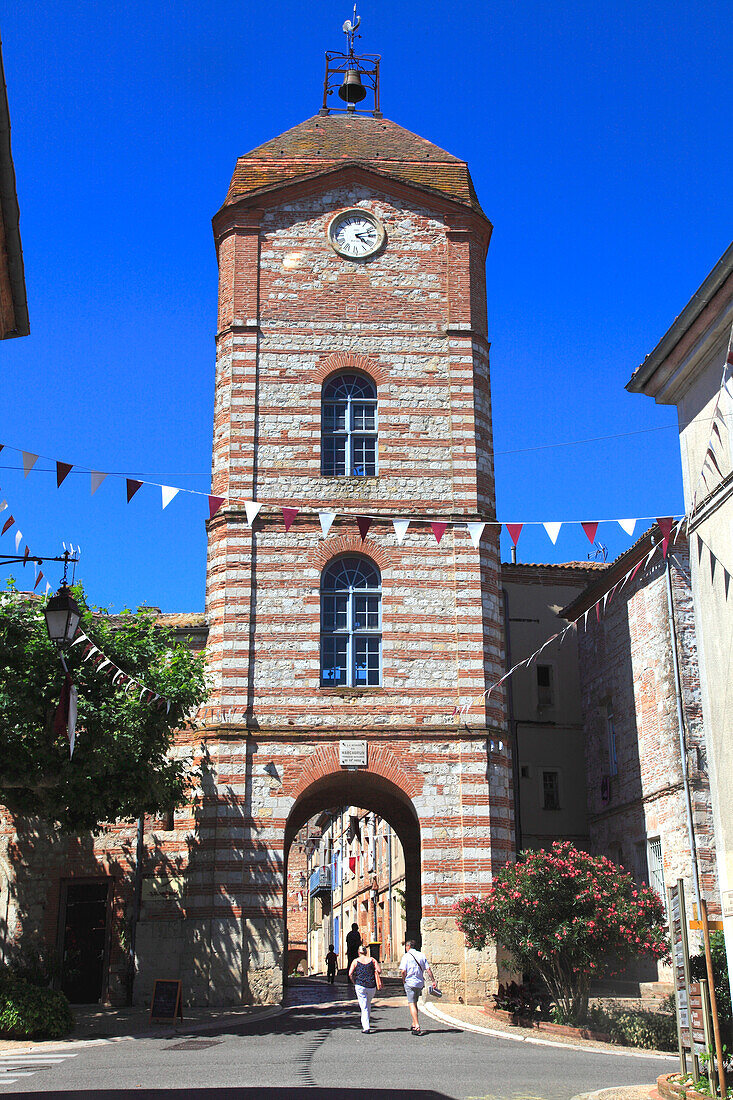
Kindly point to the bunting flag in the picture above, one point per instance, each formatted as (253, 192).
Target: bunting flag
(8, 523)
(29, 462)
(326, 521)
(665, 526)
(63, 469)
(18, 539)
(132, 487)
(97, 477)
(628, 525)
(289, 515)
(475, 530)
(590, 530)
(168, 493)
(438, 529)
(252, 508)
(215, 504)
(400, 528)
(514, 530)
(553, 530)
(363, 523)
(3, 505)
(39, 578)
(103, 663)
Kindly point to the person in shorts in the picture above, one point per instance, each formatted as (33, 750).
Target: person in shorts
(413, 968)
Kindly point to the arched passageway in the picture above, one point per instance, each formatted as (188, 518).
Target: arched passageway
(376, 794)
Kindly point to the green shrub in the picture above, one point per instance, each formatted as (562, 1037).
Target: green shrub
(698, 970)
(651, 1030)
(28, 1012)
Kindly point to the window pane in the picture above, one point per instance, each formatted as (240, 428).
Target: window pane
(363, 417)
(334, 613)
(334, 418)
(334, 456)
(366, 660)
(551, 790)
(333, 669)
(366, 612)
(364, 456)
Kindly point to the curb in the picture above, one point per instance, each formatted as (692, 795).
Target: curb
(586, 1047)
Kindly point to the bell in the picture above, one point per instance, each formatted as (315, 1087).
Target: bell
(352, 90)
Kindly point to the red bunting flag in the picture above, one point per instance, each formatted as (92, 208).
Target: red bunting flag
(8, 523)
(634, 571)
(25, 555)
(289, 515)
(665, 526)
(132, 487)
(515, 530)
(439, 529)
(598, 611)
(39, 578)
(63, 469)
(215, 504)
(363, 523)
(590, 530)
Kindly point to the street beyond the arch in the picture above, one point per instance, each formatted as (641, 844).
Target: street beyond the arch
(315, 1048)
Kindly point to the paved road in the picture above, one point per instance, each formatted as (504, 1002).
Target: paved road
(317, 1050)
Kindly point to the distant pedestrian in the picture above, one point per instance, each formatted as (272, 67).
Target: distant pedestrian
(331, 960)
(353, 943)
(413, 968)
(365, 972)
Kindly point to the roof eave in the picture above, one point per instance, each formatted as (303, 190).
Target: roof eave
(642, 380)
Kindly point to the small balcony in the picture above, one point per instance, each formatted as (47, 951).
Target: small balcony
(320, 881)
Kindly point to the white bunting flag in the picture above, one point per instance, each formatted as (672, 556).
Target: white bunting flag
(650, 555)
(168, 493)
(29, 462)
(326, 519)
(628, 526)
(97, 479)
(81, 638)
(400, 528)
(71, 723)
(48, 588)
(103, 664)
(3, 505)
(252, 508)
(91, 653)
(18, 538)
(475, 530)
(553, 530)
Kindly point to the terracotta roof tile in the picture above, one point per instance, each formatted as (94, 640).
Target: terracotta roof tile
(329, 141)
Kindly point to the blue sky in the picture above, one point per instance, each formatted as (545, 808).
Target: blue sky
(599, 141)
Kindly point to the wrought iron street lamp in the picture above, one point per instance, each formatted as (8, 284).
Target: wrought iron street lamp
(62, 617)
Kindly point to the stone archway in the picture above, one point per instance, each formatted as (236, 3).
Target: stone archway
(369, 791)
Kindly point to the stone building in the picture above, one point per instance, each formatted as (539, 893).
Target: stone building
(692, 367)
(352, 386)
(649, 806)
(544, 703)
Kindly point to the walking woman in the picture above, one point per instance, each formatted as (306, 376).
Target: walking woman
(365, 973)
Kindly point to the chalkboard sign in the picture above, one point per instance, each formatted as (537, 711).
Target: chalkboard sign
(167, 1004)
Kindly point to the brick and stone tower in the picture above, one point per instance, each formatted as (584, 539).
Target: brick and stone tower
(352, 378)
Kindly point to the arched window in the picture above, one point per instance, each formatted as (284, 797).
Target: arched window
(351, 623)
(349, 426)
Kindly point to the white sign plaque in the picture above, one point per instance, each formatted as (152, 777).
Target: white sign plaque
(353, 754)
(728, 903)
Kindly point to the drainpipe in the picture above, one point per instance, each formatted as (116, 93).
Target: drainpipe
(512, 729)
(136, 895)
(681, 731)
(389, 890)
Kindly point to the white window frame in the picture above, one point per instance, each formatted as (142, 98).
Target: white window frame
(350, 434)
(350, 632)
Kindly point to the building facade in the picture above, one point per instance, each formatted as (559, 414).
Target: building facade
(649, 804)
(692, 368)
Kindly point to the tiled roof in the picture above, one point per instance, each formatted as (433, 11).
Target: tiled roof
(330, 141)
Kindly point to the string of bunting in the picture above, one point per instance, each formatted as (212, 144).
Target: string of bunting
(102, 663)
(668, 532)
(326, 519)
(92, 652)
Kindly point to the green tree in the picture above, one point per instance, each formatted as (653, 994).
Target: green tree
(122, 764)
(569, 917)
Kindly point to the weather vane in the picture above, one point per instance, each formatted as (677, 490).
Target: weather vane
(349, 29)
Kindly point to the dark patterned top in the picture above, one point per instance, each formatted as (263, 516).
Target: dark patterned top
(364, 975)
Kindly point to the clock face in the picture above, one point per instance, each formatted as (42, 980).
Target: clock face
(356, 234)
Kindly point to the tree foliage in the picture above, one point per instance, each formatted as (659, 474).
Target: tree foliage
(568, 916)
(122, 765)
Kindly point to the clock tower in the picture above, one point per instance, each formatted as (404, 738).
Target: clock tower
(350, 609)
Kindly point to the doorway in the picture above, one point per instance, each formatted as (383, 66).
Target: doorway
(83, 930)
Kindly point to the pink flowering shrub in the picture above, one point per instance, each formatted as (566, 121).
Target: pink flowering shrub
(568, 916)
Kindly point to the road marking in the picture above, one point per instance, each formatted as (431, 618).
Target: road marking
(14, 1066)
